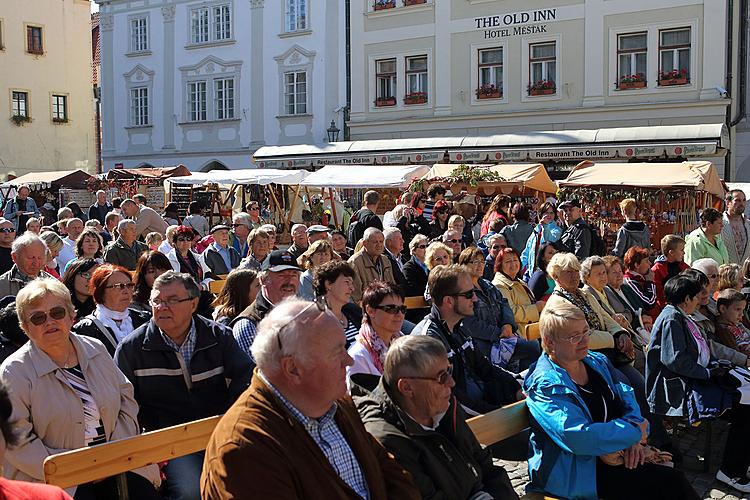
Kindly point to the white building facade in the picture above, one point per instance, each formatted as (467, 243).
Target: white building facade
(457, 68)
(206, 83)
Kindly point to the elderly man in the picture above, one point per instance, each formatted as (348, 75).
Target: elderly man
(495, 243)
(299, 240)
(278, 281)
(183, 367)
(394, 246)
(126, 250)
(100, 208)
(219, 256)
(706, 241)
(20, 208)
(414, 415)
(74, 229)
(736, 227)
(577, 236)
(480, 386)
(241, 226)
(29, 254)
(295, 433)
(452, 239)
(317, 232)
(146, 218)
(369, 263)
(7, 235)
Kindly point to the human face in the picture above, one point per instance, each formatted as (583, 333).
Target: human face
(736, 206)
(569, 279)
(129, 234)
(90, 246)
(221, 237)
(74, 228)
(299, 236)
(338, 242)
(548, 253)
(241, 230)
(458, 226)
(511, 266)
(316, 237)
(453, 241)
(430, 397)
(571, 214)
(129, 209)
(53, 333)
(101, 198)
(254, 289)
(732, 313)
(395, 243)
(31, 260)
(439, 258)
(341, 289)
(281, 285)
(547, 217)
(676, 254)
(319, 258)
(7, 234)
(462, 306)
(173, 320)
(117, 295)
(713, 279)
(271, 240)
(476, 267)
(183, 243)
(81, 282)
(643, 267)
(598, 277)
(442, 215)
(690, 305)
(419, 250)
(254, 210)
(23, 193)
(151, 273)
(34, 227)
(374, 246)
(496, 245)
(383, 322)
(615, 276)
(714, 228)
(564, 348)
(260, 247)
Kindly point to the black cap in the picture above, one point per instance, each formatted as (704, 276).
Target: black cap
(570, 203)
(281, 260)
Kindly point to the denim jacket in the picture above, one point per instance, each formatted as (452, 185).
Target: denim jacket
(491, 313)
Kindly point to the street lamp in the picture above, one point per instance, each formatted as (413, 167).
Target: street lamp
(333, 132)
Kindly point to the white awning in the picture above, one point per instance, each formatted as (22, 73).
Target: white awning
(251, 176)
(361, 176)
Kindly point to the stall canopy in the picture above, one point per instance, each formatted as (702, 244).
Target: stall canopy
(255, 176)
(43, 180)
(699, 175)
(155, 172)
(528, 175)
(365, 177)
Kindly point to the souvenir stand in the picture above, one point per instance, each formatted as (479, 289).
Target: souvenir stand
(669, 195)
(148, 181)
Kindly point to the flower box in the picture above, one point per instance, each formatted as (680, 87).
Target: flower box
(631, 85)
(20, 119)
(667, 82)
(415, 98)
(381, 102)
(413, 2)
(541, 91)
(489, 95)
(385, 5)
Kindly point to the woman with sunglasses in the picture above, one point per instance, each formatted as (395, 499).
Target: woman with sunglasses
(185, 260)
(384, 310)
(507, 279)
(416, 272)
(150, 266)
(440, 215)
(76, 280)
(112, 320)
(66, 393)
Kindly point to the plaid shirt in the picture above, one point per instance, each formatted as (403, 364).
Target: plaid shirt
(187, 348)
(332, 443)
(244, 332)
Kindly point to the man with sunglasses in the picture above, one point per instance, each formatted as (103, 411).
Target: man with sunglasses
(480, 386)
(452, 240)
(241, 226)
(413, 413)
(7, 235)
(29, 254)
(495, 243)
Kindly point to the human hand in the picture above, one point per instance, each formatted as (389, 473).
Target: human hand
(506, 332)
(625, 345)
(19, 213)
(634, 456)
(621, 320)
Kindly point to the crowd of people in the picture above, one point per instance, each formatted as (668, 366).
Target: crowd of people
(331, 387)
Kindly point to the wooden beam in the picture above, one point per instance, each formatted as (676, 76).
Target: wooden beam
(500, 424)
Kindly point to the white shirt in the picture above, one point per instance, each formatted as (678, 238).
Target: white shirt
(67, 253)
(362, 362)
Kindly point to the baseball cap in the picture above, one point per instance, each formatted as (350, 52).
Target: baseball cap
(570, 203)
(318, 228)
(281, 260)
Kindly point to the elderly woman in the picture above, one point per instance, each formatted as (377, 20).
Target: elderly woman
(150, 266)
(730, 276)
(679, 372)
(112, 289)
(710, 268)
(492, 326)
(88, 246)
(185, 260)
(525, 307)
(540, 283)
(316, 255)
(66, 392)
(259, 242)
(595, 277)
(639, 284)
(458, 224)
(384, 310)
(270, 230)
(415, 273)
(438, 254)
(334, 282)
(239, 291)
(76, 280)
(338, 241)
(586, 427)
(54, 246)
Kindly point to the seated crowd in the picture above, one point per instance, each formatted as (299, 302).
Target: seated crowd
(347, 364)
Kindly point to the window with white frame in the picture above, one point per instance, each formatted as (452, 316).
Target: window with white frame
(632, 51)
(138, 34)
(385, 81)
(139, 110)
(196, 95)
(59, 108)
(490, 81)
(20, 104)
(542, 68)
(296, 15)
(295, 92)
(224, 98)
(211, 23)
(674, 56)
(416, 78)
(222, 22)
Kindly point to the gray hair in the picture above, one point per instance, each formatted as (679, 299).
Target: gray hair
(369, 232)
(243, 218)
(410, 356)
(494, 237)
(26, 240)
(3, 220)
(184, 279)
(92, 223)
(705, 264)
(445, 234)
(101, 191)
(268, 228)
(390, 232)
(52, 240)
(128, 201)
(417, 240)
(295, 226)
(64, 213)
(588, 264)
(124, 223)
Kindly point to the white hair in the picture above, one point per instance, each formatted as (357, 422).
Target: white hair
(243, 218)
(124, 223)
(26, 240)
(371, 231)
(705, 264)
(64, 213)
(496, 236)
(294, 227)
(390, 232)
(101, 191)
(417, 240)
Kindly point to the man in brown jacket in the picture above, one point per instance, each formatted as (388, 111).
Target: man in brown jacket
(295, 434)
(146, 219)
(370, 264)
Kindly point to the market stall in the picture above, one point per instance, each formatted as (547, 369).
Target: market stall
(127, 182)
(669, 194)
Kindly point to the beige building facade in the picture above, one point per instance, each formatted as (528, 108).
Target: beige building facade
(46, 91)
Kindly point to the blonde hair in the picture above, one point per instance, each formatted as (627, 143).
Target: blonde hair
(434, 247)
(35, 292)
(729, 276)
(670, 242)
(154, 239)
(319, 246)
(454, 219)
(560, 262)
(628, 206)
(554, 318)
(52, 240)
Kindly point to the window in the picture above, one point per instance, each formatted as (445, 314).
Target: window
(197, 101)
(139, 115)
(34, 42)
(295, 93)
(490, 73)
(211, 24)
(674, 56)
(59, 108)
(416, 80)
(138, 35)
(20, 104)
(224, 92)
(2, 34)
(296, 15)
(631, 60)
(385, 76)
(542, 68)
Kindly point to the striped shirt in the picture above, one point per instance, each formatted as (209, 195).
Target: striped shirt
(93, 427)
(350, 331)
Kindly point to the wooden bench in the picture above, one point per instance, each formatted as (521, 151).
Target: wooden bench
(216, 286)
(416, 302)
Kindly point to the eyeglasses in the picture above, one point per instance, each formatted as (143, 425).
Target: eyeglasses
(40, 318)
(575, 339)
(7, 230)
(169, 302)
(182, 238)
(392, 309)
(498, 247)
(442, 378)
(422, 246)
(121, 286)
(238, 225)
(320, 303)
(451, 241)
(254, 208)
(467, 295)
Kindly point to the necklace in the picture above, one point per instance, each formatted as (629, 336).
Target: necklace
(67, 362)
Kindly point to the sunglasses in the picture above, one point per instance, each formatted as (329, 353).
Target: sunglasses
(421, 247)
(441, 378)
(121, 286)
(467, 295)
(40, 318)
(451, 241)
(184, 239)
(498, 247)
(7, 230)
(392, 309)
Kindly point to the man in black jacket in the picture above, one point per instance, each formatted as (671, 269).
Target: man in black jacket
(394, 246)
(577, 236)
(365, 217)
(480, 386)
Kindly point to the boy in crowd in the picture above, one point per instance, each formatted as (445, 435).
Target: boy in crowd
(670, 263)
(729, 328)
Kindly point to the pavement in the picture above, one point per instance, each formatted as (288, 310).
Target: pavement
(690, 442)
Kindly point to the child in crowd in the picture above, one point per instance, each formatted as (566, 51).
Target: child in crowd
(154, 240)
(669, 264)
(729, 328)
(729, 277)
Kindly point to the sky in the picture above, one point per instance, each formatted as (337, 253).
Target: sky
(94, 7)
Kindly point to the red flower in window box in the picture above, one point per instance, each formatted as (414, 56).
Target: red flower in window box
(413, 2)
(384, 4)
(674, 77)
(488, 91)
(634, 81)
(415, 98)
(542, 87)
(381, 102)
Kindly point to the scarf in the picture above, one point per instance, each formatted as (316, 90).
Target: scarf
(109, 318)
(578, 300)
(190, 266)
(374, 345)
(704, 352)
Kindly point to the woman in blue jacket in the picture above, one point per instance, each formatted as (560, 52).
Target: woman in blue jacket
(580, 413)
